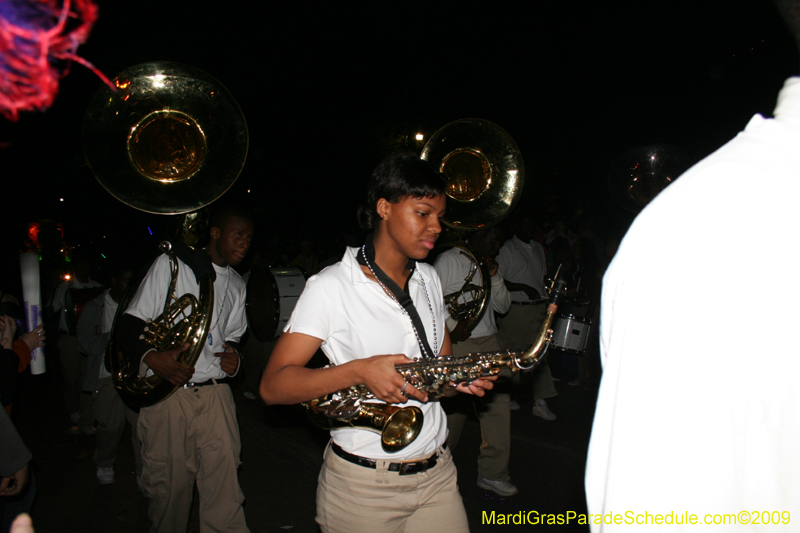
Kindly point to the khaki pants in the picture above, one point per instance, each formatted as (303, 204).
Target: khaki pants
(111, 414)
(518, 330)
(192, 436)
(493, 411)
(356, 499)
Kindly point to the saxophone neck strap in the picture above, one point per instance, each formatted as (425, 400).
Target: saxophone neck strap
(367, 258)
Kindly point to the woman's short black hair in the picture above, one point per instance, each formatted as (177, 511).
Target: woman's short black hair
(399, 175)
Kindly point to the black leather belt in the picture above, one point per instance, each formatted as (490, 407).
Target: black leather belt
(219, 381)
(403, 469)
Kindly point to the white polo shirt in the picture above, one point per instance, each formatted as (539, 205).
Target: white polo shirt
(356, 319)
(522, 262)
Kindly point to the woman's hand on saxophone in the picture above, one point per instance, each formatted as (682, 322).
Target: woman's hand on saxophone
(476, 387)
(166, 367)
(379, 375)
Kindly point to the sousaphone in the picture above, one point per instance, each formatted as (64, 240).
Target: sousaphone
(169, 140)
(485, 174)
(639, 175)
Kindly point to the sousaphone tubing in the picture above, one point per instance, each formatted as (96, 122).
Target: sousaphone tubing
(169, 140)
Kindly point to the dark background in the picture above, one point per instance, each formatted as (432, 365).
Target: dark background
(328, 88)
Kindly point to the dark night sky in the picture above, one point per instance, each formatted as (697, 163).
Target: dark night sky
(325, 88)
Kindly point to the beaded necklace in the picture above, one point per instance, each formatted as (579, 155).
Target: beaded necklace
(391, 295)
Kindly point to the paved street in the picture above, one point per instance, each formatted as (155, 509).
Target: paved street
(281, 457)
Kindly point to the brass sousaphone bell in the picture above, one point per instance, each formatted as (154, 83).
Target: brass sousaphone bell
(170, 140)
(639, 175)
(485, 174)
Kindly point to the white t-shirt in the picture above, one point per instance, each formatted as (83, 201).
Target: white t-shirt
(699, 407)
(228, 321)
(522, 262)
(453, 268)
(356, 319)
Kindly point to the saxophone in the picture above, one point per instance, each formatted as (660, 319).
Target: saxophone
(358, 408)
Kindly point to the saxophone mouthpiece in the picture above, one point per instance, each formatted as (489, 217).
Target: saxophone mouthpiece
(557, 294)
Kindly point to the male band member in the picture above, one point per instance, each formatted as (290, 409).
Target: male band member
(699, 412)
(523, 265)
(193, 435)
(94, 328)
(493, 411)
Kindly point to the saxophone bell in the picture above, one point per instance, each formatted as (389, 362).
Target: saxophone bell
(397, 426)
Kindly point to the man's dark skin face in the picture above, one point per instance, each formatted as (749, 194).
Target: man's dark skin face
(485, 243)
(229, 245)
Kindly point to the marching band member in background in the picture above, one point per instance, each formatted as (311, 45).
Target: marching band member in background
(378, 300)
(494, 411)
(523, 265)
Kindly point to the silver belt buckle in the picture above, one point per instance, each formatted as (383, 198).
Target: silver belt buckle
(405, 468)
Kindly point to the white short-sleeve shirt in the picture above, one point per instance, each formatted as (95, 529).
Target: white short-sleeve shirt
(228, 321)
(699, 410)
(356, 319)
(523, 262)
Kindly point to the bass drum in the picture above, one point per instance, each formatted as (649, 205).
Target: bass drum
(272, 293)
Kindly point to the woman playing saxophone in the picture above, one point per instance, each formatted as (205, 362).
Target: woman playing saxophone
(377, 308)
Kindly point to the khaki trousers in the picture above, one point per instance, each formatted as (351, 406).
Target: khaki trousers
(192, 436)
(111, 413)
(356, 499)
(494, 413)
(518, 330)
